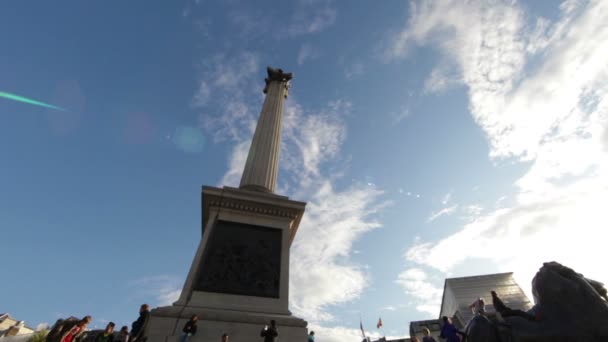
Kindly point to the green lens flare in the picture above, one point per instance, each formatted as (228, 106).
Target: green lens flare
(29, 101)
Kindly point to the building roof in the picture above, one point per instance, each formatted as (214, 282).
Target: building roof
(18, 323)
(459, 293)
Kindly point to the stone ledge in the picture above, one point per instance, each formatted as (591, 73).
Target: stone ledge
(206, 314)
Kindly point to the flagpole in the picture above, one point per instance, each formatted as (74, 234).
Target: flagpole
(361, 326)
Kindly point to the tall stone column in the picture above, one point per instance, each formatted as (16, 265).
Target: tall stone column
(239, 277)
(262, 167)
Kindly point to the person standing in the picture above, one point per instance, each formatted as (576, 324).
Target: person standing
(427, 336)
(76, 331)
(270, 334)
(225, 337)
(478, 307)
(123, 334)
(311, 336)
(138, 328)
(189, 329)
(450, 332)
(107, 335)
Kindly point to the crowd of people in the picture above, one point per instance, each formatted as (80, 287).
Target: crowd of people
(450, 333)
(74, 330)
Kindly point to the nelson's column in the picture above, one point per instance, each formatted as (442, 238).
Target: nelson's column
(239, 278)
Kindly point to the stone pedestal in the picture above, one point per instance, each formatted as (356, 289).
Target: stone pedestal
(166, 324)
(239, 278)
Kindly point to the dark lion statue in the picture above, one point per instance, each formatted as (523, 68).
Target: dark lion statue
(569, 308)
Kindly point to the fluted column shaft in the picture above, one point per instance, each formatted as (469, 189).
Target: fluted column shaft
(262, 167)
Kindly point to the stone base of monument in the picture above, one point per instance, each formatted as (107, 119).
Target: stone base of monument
(166, 324)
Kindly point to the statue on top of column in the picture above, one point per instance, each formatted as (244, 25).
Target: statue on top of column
(277, 75)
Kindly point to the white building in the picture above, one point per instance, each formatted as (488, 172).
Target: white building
(14, 330)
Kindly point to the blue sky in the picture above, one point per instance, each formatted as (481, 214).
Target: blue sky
(430, 140)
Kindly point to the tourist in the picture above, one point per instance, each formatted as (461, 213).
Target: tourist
(55, 332)
(503, 311)
(311, 336)
(271, 333)
(225, 337)
(77, 330)
(450, 332)
(138, 328)
(478, 307)
(189, 328)
(123, 334)
(107, 335)
(427, 336)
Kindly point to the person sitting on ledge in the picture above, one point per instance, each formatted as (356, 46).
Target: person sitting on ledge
(503, 311)
(271, 333)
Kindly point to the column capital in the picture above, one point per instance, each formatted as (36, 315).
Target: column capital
(277, 75)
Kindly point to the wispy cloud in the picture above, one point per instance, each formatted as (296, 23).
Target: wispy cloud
(322, 275)
(353, 70)
(446, 198)
(307, 52)
(311, 17)
(236, 164)
(538, 89)
(252, 23)
(440, 79)
(416, 283)
(227, 83)
(164, 288)
(447, 208)
(400, 115)
(444, 211)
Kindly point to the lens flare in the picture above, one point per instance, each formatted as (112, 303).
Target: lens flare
(28, 101)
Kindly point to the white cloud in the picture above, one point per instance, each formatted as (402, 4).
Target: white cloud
(341, 334)
(236, 164)
(539, 92)
(417, 284)
(43, 326)
(321, 273)
(312, 138)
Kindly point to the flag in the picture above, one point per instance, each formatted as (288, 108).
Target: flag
(361, 326)
(379, 323)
